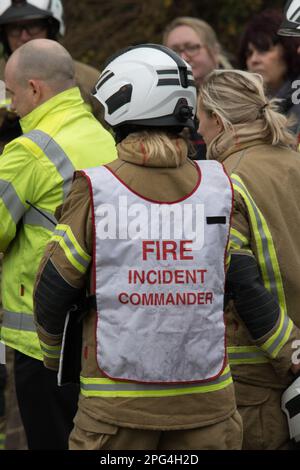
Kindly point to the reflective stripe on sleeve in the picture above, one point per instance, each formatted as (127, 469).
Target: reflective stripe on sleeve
(246, 355)
(237, 240)
(11, 200)
(56, 155)
(269, 267)
(53, 352)
(73, 251)
(33, 217)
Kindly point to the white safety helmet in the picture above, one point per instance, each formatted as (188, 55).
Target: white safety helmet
(12, 11)
(147, 85)
(291, 23)
(290, 405)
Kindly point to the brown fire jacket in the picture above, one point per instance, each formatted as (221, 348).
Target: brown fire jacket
(266, 219)
(158, 180)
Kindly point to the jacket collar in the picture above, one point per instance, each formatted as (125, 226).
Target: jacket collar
(237, 138)
(133, 150)
(59, 102)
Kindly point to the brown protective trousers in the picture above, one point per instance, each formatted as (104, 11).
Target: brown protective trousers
(264, 424)
(226, 435)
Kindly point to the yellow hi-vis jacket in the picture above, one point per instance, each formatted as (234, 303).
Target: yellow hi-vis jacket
(60, 136)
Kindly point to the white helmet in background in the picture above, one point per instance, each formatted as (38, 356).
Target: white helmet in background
(291, 23)
(147, 85)
(290, 405)
(12, 11)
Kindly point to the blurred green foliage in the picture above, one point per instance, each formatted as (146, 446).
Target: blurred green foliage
(98, 28)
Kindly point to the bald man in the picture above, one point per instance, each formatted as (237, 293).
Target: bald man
(36, 170)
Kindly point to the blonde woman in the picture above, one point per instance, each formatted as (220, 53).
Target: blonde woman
(197, 43)
(243, 130)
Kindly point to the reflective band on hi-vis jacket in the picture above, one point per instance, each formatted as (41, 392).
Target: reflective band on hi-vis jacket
(159, 279)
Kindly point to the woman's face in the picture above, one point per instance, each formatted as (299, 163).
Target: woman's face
(209, 126)
(270, 64)
(186, 42)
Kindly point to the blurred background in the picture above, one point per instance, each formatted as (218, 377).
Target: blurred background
(98, 28)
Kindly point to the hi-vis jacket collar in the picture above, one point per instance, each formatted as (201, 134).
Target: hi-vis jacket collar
(68, 98)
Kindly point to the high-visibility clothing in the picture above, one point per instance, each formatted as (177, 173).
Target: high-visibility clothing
(141, 323)
(271, 276)
(68, 255)
(85, 78)
(36, 171)
(266, 215)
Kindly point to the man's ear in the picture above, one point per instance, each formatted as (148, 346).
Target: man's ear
(35, 87)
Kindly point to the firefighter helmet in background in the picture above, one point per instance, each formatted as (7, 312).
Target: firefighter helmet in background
(291, 23)
(13, 11)
(147, 85)
(290, 405)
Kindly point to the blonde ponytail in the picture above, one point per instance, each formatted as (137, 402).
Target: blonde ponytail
(238, 97)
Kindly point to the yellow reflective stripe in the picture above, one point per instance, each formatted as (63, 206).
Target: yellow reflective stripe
(279, 336)
(237, 238)
(269, 267)
(80, 251)
(246, 355)
(258, 241)
(102, 387)
(73, 251)
(52, 352)
(68, 253)
(241, 188)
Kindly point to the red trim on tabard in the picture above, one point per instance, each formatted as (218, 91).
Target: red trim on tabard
(226, 249)
(82, 172)
(93, 270)
(153, 200)
(210, 379)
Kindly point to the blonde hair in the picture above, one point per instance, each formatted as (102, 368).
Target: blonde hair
(204, 32)
(238, 97)
(158, 145)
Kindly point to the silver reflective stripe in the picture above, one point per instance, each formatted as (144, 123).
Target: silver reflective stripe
(18, 321)
(132, 387)
(50, 352)
(246, 355)
(283, 331)
(11, 200)
(56, 154)
(32, 217)
(269, 267)
(265, 248)
(236, 240)
(65, 236)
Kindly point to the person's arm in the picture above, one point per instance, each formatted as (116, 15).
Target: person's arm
(17, 185)
(260, 311)
(62, 277)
